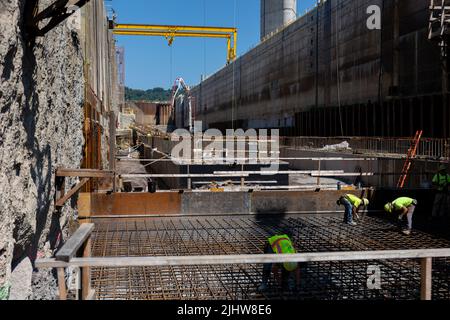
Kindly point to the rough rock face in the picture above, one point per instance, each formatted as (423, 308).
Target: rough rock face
(41, 116)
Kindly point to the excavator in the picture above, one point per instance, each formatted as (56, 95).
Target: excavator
(177, 88)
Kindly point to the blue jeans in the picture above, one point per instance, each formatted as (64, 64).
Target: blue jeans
(348, 216)
(406, 224)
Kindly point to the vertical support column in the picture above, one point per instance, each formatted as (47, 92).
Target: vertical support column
(62, 284)
(396, 58)
(86, 290)
(319, 171)
(189, 180)
(426, 266)
(112, 141)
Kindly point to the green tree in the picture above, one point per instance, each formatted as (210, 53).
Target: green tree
(155, 94)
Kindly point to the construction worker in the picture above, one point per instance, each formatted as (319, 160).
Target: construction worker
(441, 182)
(281, 244)
(404, 207)
(352, 206)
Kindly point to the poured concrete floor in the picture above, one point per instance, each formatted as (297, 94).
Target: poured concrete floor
(216, 235)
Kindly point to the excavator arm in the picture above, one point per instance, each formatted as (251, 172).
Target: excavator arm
(178, 86)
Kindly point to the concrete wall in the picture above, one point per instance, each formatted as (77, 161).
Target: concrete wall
(242, 203)
(101, 76)
(329, 63)
(41, 101)
(42, 112)
(150, 113)
(212, 203)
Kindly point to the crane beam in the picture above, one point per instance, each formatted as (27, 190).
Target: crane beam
(167, 34)
(170, 32)
(174, 27)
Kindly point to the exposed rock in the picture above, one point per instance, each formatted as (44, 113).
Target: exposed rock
(21, 281)
(41, 116)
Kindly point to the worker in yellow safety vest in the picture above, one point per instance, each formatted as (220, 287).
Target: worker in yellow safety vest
(404, 207)
(352, 206)
(441, 181)
(281, 244)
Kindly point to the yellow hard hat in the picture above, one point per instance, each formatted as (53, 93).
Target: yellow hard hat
(388, 207)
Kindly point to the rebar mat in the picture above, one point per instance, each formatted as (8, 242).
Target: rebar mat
(222, 235)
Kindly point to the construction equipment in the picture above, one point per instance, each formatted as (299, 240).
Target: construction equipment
(179, 85)
(171, 32)
(412, 151)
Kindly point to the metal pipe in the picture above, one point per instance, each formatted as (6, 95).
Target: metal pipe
(243, 259)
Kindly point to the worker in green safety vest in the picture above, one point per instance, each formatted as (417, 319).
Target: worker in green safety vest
(441, 182)
(281, 244)
(404, 207)
(352, 206)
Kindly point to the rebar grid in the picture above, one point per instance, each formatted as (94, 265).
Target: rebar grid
(222, 235)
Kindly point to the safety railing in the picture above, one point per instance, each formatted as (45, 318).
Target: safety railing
(66, 258)
(430, 148)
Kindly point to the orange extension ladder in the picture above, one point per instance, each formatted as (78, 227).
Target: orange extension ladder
(412, 151)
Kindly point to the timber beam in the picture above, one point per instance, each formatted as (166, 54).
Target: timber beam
(85, 174)
(57, 12)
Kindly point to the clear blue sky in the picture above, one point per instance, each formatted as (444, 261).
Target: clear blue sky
(150, 62)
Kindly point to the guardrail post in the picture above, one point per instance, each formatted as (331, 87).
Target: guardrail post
(189, 180)
(86, 291)
(62, 284)
(426, 268)
(319, 170)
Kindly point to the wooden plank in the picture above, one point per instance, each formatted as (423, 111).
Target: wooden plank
(71, 193)
(75, 242)
(291, 172)
(244, 259)
(84, 205)
(86, 272)
(62, 284)
(132, 176)
(84, 173)
(325, 174)
(259, 159)
(426, 265)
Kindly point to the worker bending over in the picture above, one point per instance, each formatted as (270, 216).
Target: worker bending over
(352, 206)
(404, 207)
(281, 244)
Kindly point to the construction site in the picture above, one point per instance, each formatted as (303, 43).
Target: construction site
(314, 166)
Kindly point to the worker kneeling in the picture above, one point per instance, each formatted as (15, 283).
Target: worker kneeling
(404, 207)
(352, 206)
(281, 245)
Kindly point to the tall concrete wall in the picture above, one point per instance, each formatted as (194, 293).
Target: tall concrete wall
(42, 99)
(327, 71)
(101, 74)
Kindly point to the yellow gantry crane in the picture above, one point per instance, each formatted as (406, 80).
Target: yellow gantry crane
(171, 32)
